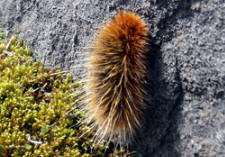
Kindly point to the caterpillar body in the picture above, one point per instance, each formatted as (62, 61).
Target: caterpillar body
(115, 85)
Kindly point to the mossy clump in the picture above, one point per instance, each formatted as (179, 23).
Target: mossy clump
(36, 108)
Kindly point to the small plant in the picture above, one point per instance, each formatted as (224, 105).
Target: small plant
(36, 108)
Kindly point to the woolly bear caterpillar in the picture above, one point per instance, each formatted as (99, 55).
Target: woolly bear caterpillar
(115, 85)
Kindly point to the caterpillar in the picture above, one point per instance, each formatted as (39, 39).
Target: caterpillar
(115, 80)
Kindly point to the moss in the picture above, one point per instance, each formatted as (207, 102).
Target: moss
(34, 107)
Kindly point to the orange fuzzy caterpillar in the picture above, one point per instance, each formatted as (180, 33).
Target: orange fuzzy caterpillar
(116, 78)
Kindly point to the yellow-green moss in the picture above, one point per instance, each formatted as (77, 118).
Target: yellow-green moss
(34, 103)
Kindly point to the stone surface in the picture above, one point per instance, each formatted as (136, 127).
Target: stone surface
(186, 64)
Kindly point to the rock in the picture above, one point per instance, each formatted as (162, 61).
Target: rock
(186, 64)
(199, 47)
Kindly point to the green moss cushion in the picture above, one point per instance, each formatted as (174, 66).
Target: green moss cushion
(36, 108)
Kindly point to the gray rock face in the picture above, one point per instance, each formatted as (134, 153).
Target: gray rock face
(186, 116)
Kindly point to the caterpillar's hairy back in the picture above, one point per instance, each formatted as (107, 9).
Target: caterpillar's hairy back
(115, 87)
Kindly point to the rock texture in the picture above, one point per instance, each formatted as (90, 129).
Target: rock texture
(186, 62)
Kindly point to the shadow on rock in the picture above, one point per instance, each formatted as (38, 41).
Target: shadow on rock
(159, 136)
